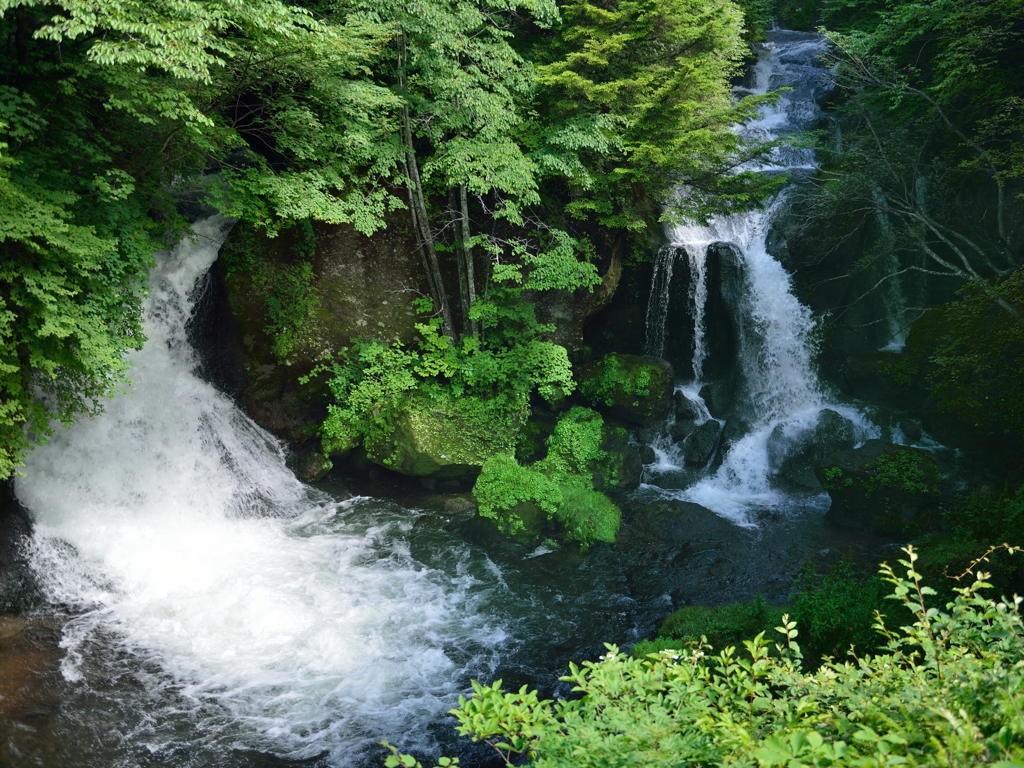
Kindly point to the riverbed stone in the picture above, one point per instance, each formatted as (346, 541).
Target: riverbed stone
(718, 397)
(681, 523)
(700, 446)
(883, 488)
(793, 456)
(636, 389)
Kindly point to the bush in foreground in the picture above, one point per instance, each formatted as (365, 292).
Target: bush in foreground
(947, 690)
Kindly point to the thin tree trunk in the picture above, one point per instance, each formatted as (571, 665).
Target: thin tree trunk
(467, 256)
(423, 223)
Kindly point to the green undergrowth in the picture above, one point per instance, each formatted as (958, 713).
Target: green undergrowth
(947, 689)
(719, 626)
(560, 484)
(616, 380)
(372, 383)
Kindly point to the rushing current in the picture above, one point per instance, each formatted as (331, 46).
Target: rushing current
(776, 382)
(275, 615)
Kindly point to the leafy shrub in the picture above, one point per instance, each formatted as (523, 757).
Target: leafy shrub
(587, 515)
(948, 691)
(503, 486)
(633, 381)
(720, 625)
(835, 611)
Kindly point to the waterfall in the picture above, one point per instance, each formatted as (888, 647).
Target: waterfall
(698, 303)
(777, 380)
(657, 307)
(242, 607)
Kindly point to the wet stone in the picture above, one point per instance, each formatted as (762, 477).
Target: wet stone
(700, 446)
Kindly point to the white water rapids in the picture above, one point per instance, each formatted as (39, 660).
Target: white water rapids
(279, 618)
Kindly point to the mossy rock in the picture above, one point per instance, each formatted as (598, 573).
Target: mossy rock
(884, 488)
(448, 439)
(306, 292)
(636, 389)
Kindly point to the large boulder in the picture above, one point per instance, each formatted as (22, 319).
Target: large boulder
(700, 446)
(447, 439)
(684, 523)
(881, 487)
(636, 389)
(718, 396)
(306, 292)
(794, 451)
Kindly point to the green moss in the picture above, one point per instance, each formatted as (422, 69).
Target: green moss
(432, 430)
(587, 515)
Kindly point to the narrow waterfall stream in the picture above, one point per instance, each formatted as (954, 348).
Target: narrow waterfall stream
(773, 380)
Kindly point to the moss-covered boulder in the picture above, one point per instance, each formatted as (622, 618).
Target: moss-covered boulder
(636, 389)
(448, 438)
(883, 488)
(311, 290)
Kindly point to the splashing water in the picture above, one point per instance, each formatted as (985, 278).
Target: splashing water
(776, 351)
(242, 603)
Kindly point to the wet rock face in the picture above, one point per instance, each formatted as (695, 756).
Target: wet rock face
(793, 454)
(718, 396)
(364, 287)
(635, 389)
(882, 488)
(700, 446)
(682, 523)
(18, 589)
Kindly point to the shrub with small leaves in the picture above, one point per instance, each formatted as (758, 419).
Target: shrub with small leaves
(948, 690)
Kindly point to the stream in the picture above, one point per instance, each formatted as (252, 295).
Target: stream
(214, 611)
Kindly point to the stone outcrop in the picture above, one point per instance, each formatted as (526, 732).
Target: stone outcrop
(793, 455)
(881, 487)
(635, 389)
(361, 287)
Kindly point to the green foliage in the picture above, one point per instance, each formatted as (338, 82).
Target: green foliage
(503, 485)
(633, 97)
(718, 626)
(587, 515)
(910, 471)
(574, 447)
(971, 353)
(616, 380)
(561, 483)
(106, 111)
(835, 612)
(948, 691)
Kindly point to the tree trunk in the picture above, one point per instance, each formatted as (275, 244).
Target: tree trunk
(424, 235)
(467, 257)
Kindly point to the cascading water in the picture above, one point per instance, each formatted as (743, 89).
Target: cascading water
(777, 381)
(277, 617)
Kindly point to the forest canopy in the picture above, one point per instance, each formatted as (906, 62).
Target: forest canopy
(545, 123)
